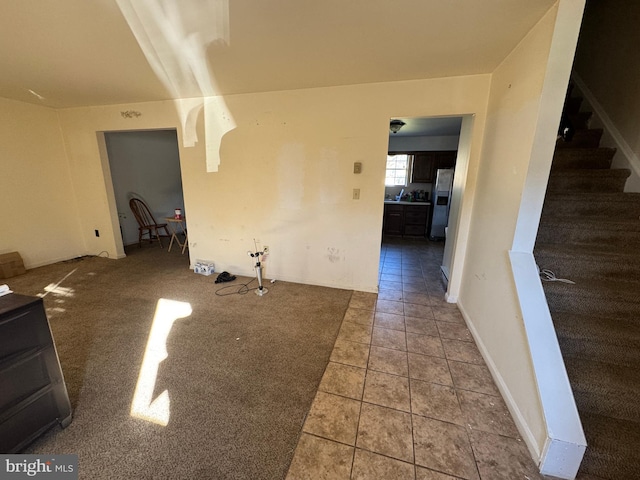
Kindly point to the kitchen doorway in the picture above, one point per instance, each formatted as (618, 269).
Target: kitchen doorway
(432, 144)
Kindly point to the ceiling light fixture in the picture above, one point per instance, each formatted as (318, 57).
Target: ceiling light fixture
(396, 125)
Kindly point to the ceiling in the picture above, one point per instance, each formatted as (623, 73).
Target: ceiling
(71, 53)
(428, 126)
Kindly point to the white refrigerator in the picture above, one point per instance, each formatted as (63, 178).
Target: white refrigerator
(441, 202)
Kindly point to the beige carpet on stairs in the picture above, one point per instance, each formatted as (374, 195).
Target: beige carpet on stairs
(240, 374)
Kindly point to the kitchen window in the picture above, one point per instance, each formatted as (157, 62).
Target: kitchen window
(397, 170)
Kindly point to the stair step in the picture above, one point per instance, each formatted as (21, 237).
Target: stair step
(598, 261)
(588, 181)
(579, 158)
(599, 338)
(604, 389)
(619, 234)
(572, 104)
(607, 205)
(594, 297)
(584, 137)
(612, 447)
(579, 120)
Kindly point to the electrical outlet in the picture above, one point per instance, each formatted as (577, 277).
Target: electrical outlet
(265, 249)
(356, 194)
(97, 233)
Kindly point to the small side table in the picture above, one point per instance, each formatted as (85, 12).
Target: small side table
(177, 227)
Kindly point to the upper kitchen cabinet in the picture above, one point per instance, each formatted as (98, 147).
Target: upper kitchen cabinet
(445, 160)
(425, 165)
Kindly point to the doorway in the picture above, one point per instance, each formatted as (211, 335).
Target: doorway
(144, 164)
(420, 135)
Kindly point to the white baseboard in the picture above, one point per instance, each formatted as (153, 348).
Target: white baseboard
(518, 418)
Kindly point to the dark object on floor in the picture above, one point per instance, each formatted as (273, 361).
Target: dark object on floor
(225, 277)
(33, 396)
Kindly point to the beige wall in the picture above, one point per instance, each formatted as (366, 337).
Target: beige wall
(285, 177)
(40, 218)
(488, 297)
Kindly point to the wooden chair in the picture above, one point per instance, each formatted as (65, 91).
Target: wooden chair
(147, 223)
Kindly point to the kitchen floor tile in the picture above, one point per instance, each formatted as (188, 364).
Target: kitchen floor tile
(418, 311)
(447, 312)
(350, 353)
(391, 277)
(388, 306)
(435, 401)
(414, 288)
(382, 285)
(472, 377)
(428, 474)
(371, 466)
(393, 295)
(487, 413)
(355, 332)
(454, 331)
(333, 417)
(389, 320)
(356, 315)
(462, 351)
(385, 431)
(384, 337)
(429, 369)
(424, 345)
(387, 390)
(502, 458)
(322, 459)
(444, 447)
(344, 380)
(388, 360)
(422, 326)
(363, 301)
(417, 298)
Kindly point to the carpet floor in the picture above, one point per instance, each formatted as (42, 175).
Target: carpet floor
(240, 371)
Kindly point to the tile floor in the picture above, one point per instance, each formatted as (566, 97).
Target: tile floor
(406, 394)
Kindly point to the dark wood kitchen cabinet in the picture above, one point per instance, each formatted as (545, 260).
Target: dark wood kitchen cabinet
(425, 165)
(415, 220)
(422, 171)
(393, 219)
(445, 160)
(33, 396)
(405, 220)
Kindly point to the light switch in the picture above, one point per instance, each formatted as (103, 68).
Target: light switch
(356, 194)
(357, 167)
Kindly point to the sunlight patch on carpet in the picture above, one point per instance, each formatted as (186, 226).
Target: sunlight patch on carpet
(143, 406)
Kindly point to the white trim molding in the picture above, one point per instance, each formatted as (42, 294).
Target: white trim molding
(565, 444)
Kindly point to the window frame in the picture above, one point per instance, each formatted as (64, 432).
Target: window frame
(407, 169)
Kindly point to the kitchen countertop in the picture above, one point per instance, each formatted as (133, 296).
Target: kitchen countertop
(394, 202)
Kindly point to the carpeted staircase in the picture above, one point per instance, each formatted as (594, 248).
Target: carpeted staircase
(590, 234)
